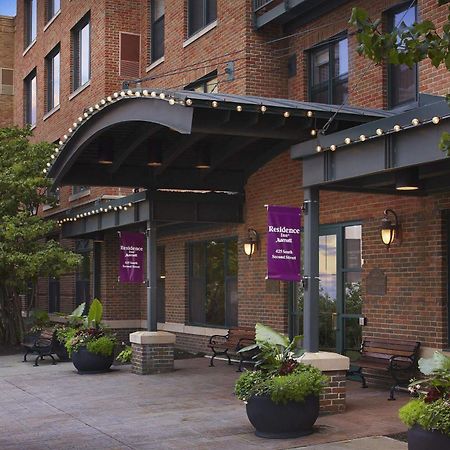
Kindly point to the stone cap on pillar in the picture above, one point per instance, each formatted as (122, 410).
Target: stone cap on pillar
(152, 337)
(326, 361)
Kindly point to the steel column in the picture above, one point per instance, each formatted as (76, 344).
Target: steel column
(311, 264)
(151, 276)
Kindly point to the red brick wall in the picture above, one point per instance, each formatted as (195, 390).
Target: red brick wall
(6, 61)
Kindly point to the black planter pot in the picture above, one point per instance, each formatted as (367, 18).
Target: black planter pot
(294, 419)
(61, 352)
(87, 362)
(420, 439)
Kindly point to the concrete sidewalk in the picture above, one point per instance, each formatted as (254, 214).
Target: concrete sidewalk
(52, 407)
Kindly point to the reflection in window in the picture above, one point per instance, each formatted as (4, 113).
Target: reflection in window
(329, 72)
(157, 29)
(53, 6)
(30, 99)
(200, 14)
(213, 282)
(81, 52)
(53, 73)
(402, 79)
(30, 21)
(208, 84)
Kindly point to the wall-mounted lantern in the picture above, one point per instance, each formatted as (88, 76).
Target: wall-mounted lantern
(250, 245)
(389, 230)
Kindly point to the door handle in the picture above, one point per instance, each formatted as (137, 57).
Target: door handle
(334, 321)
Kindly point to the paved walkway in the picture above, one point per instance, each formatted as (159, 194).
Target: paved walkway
(52, 407)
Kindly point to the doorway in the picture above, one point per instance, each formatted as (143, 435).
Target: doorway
(340, 300)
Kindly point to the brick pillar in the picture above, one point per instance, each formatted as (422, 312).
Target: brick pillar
(152, 352)
(335, 367)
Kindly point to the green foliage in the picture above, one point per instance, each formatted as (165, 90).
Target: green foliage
(95, 313)
(430, 416)
(104, 345)
(38, 320)
(406, 45)
(65, 333)
(278, 373)
(125, 355)
(25, 252)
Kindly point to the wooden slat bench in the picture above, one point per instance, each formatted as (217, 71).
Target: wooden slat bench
(235, 340)
(42, 345)
(397, 357)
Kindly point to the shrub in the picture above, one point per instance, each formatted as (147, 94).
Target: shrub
(125, 355)
(102, 346)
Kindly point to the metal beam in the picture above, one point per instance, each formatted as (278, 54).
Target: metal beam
(152, 298)
(311, 265)
(131, 144)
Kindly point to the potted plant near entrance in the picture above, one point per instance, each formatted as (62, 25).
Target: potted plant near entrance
(92, 346)
(428, 414)
(281, 395)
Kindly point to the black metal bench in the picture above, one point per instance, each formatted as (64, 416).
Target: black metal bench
(235, 340)
(42, 345)
(397, 357)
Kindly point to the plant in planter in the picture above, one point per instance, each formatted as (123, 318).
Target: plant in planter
(125, 356)
(428, 413)
(281, 395)
(92, 346)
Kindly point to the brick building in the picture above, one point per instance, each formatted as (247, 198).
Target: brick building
(71, 60)
(6, 69)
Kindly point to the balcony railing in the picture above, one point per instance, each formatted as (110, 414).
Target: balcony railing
(260, 4)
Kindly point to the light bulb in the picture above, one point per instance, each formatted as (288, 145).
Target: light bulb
(435, 120)
(347, 140)
(332, 147)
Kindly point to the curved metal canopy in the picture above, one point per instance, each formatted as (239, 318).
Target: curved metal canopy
(235, 134)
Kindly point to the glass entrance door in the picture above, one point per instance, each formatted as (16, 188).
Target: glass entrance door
(340, 300)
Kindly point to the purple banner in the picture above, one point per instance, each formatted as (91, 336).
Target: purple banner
(283, 243)
(131, 269)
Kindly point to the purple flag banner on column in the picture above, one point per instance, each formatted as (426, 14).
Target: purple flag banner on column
(131, 259)
(283, 243)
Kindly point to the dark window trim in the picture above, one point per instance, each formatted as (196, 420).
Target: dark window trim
(76, 61)
(202, 82)
(49, 62)
(50, 10)
(153, 56)
(27, 97)
(190, 266)
(205, 23)
(390, 18)
(28, 20)
(329, 43)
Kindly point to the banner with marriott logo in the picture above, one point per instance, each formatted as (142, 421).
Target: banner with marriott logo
(283, 243)
(131, 269)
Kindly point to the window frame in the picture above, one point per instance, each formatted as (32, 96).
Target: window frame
(50, 11)
(205, 23)
(153, 55)
(190, 245)
(29, 19)
(329, 44)
(390, 14)
(49, 80)
(203, 83)
(28, 103)
(77, 45)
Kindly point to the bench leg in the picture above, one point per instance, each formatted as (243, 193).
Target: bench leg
(241, 362)
(211, 361)
(228, 356)
(391, 393)
(363, 378)
(36, 361)
(53, 359)
(25, 356)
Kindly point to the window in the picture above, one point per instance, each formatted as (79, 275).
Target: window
(213, 268)
(157, 29)
(52, 66)
(200, 14)
(30, 99)
(402, 80)
(6, 81)
(83, 273)
(209, 84)
(329, 72)
(52, 7)
(79, 189)
(81, 58)
(30, 21)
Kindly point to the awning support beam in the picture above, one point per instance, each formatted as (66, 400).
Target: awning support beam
(151, 275)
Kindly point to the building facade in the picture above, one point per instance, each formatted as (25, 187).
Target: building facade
(71, 55)
(6, 69)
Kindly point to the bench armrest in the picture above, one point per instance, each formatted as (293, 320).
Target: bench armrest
(218, 339)
(401, 359)
(244, 342)
(42, 342)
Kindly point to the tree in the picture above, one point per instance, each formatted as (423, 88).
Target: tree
(405, 45)
(26, 249)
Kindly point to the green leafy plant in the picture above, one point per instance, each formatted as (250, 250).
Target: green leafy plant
(103, 345)
(39, 320)
(65, 332)
(125, 355)
(431, 407)
(278, 373)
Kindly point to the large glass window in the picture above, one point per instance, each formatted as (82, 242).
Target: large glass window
(52, 7)
(200, 14)
(157, 29)
(52, 62)
(402, 80)
(213, 282)
(30, 21)
(329, 72)
(81, 58)
(30, 99)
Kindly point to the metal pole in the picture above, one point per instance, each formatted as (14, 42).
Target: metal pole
(311, 264)
(151, 276)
